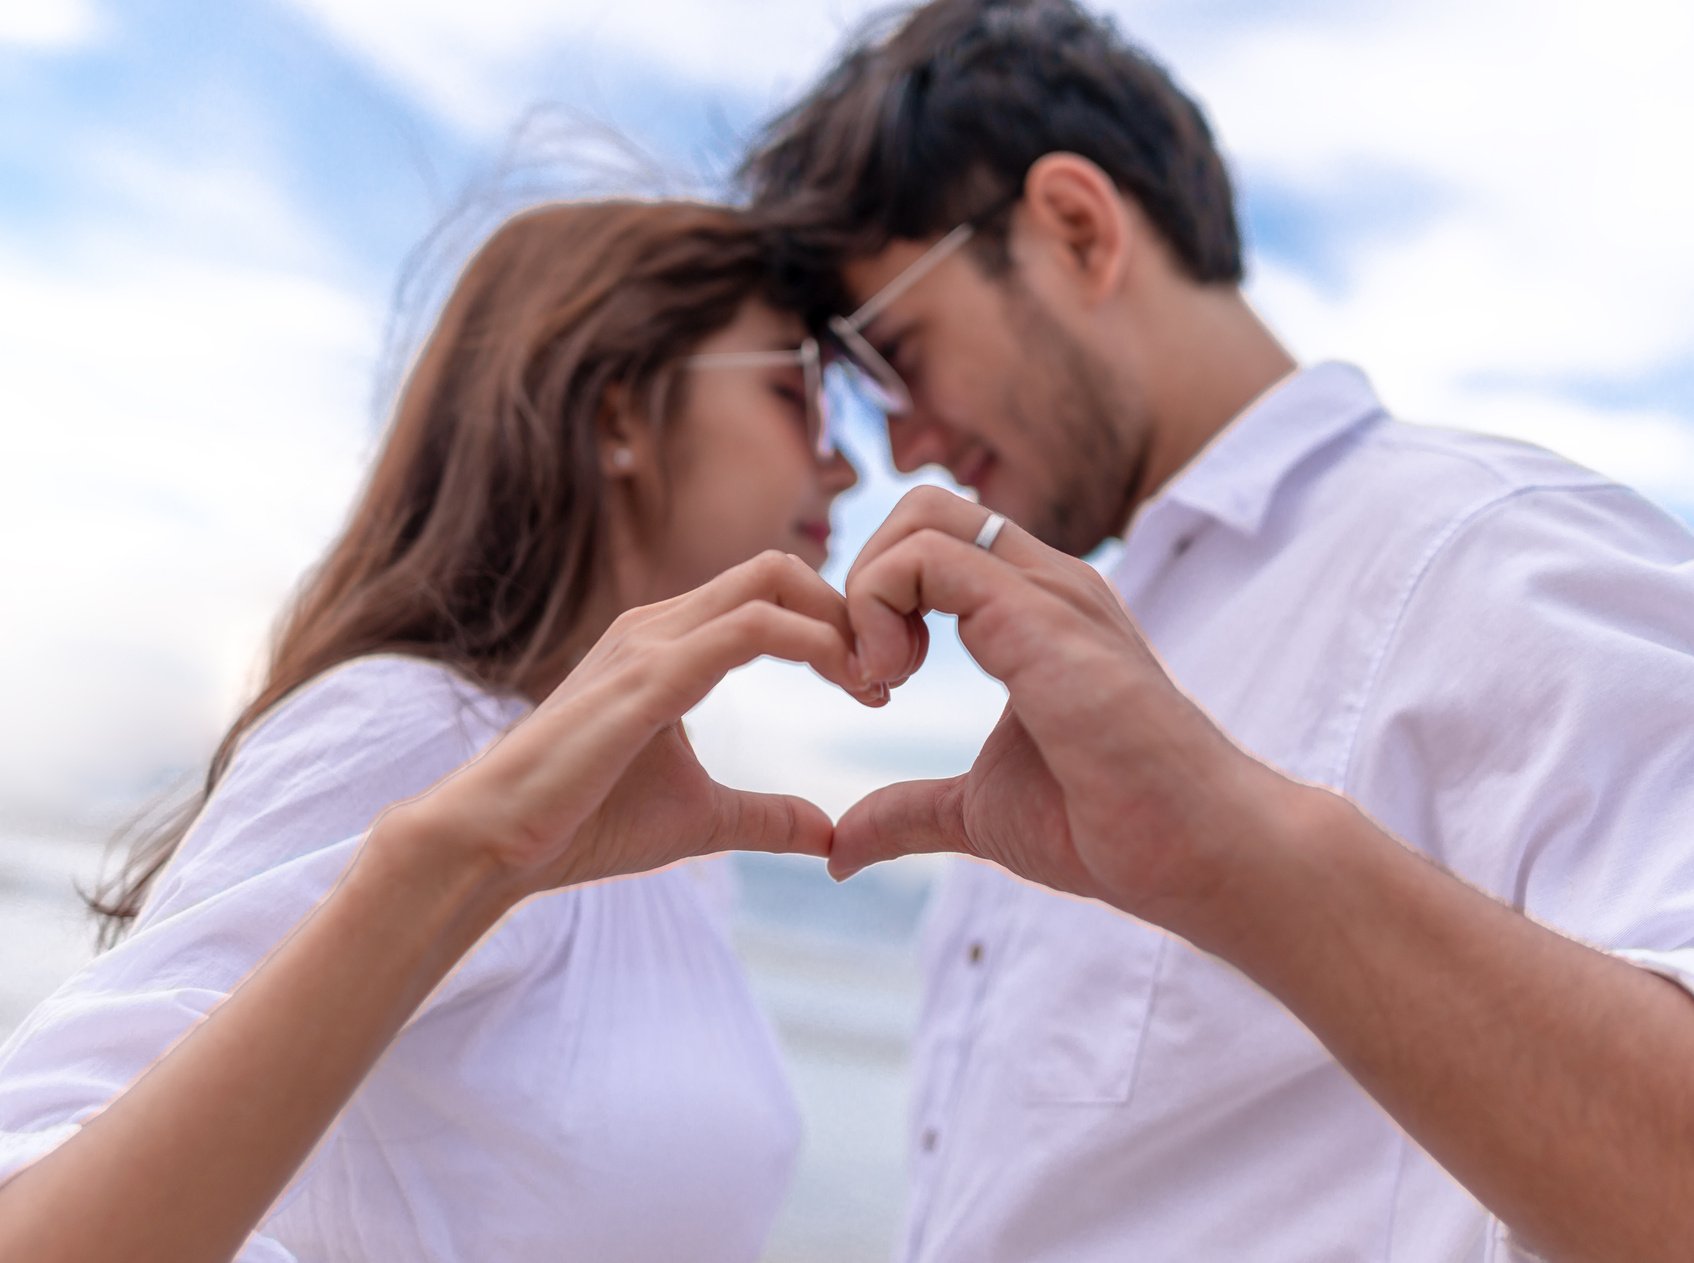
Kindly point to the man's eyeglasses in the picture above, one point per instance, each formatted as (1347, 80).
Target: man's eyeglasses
(875, 378)
(883, 385)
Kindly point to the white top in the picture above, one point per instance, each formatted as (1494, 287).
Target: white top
(1492, 651)
(593, 1082)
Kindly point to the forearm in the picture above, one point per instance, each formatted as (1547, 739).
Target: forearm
(184, 1164)
(1550, 1079)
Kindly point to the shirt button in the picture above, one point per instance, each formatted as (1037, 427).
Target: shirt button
(975, 954)
(930, 1137)
(1182, 545)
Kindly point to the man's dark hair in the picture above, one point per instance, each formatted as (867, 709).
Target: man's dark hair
(937, 119)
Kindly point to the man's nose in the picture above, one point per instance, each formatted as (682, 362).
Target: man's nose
(914, 441)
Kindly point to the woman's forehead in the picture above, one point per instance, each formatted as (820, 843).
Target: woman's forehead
(760, 326)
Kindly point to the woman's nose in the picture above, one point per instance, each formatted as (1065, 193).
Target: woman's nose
(837, 473)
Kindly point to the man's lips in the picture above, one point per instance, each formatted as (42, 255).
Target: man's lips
(971, 471)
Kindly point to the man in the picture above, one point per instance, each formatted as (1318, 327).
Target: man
(1309, 1041)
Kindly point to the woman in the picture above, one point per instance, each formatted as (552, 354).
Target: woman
(609, 421)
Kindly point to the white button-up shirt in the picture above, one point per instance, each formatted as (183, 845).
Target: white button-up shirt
(593, 1082)
(1492, 651)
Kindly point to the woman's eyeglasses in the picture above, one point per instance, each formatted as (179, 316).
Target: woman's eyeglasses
(810, 359)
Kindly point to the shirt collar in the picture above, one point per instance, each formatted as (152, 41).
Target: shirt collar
(1235, 477)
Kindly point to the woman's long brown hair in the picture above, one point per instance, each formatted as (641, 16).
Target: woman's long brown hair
(478, 535)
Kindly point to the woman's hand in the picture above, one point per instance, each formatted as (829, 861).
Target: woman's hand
(601, 782)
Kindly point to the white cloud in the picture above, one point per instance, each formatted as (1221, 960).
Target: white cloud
(1548, 137)
(184, 431)
(1449, 373)
(1541, 144)
(49, 25)
(200, 209)
(481, 65)
(189, 398)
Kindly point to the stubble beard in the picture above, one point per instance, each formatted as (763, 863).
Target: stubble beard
(1069, 406)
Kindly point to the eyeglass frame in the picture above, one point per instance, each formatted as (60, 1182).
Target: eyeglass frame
(809, 356)
(848, 332)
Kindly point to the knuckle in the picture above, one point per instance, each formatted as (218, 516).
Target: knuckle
(752, 616)
(640, 641)
(927, 497)
(653, 695)
(771, 564)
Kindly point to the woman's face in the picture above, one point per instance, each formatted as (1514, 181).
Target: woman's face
(742, 470)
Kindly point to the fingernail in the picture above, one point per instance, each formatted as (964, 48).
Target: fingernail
(880, 693)
(857, 672)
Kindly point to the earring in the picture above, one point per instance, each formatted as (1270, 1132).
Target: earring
(622, 458)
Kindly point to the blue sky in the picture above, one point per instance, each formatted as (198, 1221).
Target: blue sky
(205, 207)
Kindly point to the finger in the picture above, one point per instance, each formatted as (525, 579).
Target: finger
(693, 664)
(780, 578)
(780, 824)
(920, 648)
(909, 818)
(933, 570)
(931, 508)
(917, 649)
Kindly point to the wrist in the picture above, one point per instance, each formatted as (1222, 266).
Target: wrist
(428, 862)
(1272, 842)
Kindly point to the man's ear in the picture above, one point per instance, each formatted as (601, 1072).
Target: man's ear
(1072, 206)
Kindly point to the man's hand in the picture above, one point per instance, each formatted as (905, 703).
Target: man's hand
(1500, 1052)
(1101, 779)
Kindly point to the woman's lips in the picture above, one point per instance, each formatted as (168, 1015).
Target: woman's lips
(817, 532)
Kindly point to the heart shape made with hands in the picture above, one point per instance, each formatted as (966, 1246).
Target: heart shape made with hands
(1100, 779)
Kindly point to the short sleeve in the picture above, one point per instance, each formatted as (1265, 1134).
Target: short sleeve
(1676, 965)
(284, 825)
(1528, 723)
(102, 1029)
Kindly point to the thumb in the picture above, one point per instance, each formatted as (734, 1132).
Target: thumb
(741, 820)
(909, 818)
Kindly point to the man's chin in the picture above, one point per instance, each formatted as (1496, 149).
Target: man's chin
(1029, 513)
(1060, 525)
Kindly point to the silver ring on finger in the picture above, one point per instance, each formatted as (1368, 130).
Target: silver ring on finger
(990, 532)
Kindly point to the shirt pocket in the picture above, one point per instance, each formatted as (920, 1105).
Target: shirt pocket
(1075, 986)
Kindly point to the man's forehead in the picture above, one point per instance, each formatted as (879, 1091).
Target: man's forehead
(866, 276)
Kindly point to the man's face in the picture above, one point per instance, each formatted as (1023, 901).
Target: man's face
(1004, 395)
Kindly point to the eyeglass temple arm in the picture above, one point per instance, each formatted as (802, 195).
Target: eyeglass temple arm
(914, 273)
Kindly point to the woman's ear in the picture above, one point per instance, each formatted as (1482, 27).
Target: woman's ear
(1073, 207)
(625, 442)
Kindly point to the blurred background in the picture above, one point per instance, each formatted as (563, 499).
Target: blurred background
(210, 277)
